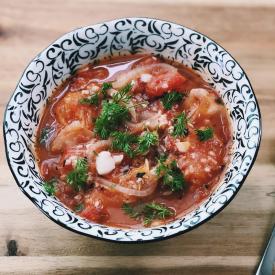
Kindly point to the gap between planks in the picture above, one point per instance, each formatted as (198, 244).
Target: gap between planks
(48, 263)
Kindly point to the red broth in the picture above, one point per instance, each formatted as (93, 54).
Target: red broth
(165, 105)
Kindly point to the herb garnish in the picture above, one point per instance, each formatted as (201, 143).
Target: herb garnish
(94, 99)
(154, 211)
(44, 135)
(205, 134)
(105, 87)
(123, 96)
(123, 141)
(129, 210)
(79, 207)
(79, 175)
(162, 157)
(133, 145)
(169, 99)
(145, 141)
(171, 176)
(180, 126)
(113, 113)
(149, 212)
(49, 186)
(111, 116)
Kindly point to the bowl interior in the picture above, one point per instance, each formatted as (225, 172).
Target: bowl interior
(122, 37)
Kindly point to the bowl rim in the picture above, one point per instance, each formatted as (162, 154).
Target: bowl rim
(140, 240)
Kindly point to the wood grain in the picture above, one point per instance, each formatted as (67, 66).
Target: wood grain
(230, 243)
(126, 265)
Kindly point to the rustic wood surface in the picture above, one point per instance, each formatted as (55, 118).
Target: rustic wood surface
(232, 242)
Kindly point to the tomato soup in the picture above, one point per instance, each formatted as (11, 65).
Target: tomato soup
(134, 141)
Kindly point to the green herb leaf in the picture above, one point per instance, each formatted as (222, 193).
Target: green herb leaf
(171, 176)
(206, 134)
(148, 212)
(169, 99)
(161, 169)
(105, 87)
(180, 126)
(133, 145)
(92, 100)
(155, 210)
(124, 141)
(44, 135)
(79, 175)
(145, 141)
(130, 211)
(174, 178)
(112, 115)
(123, 96)
(49, 186)
(163, 157)
(79, 207)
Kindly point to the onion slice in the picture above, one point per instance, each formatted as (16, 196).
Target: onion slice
(97, 146)
(70, 135)
(128, 183)
(125, 190)
(126, 77)
(157, 120)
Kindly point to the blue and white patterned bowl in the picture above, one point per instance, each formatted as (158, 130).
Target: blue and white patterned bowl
(119, 37)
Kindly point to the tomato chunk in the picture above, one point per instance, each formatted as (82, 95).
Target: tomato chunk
(82, 79)
(95, 208)
(49, 167)
(69, 109)
(203, 161)
(163, 83)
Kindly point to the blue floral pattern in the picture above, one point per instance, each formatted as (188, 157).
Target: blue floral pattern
(122, 37)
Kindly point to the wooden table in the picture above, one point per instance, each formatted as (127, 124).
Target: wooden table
(230, 243)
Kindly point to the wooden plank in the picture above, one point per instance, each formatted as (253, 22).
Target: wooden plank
(228, 244)
(237, 220)
(124, 265)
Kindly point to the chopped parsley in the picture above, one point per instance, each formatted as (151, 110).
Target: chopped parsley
(45, 134)
(49, 186)
(79, 207)
(124, 142)
(105, 87)
(163, 157)
(79, 175)
(205, 134)
(171, 176)
(145, 141)
(169, 99)
(180, 126)
(130, 211)
(92, 100)
(123, 96)
(154, 211)
(133, 145)
(149, 212)
(112, 115)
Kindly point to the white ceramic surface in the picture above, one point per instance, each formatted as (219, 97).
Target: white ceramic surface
(117, 37)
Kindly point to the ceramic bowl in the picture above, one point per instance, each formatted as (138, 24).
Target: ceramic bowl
(120, 37)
